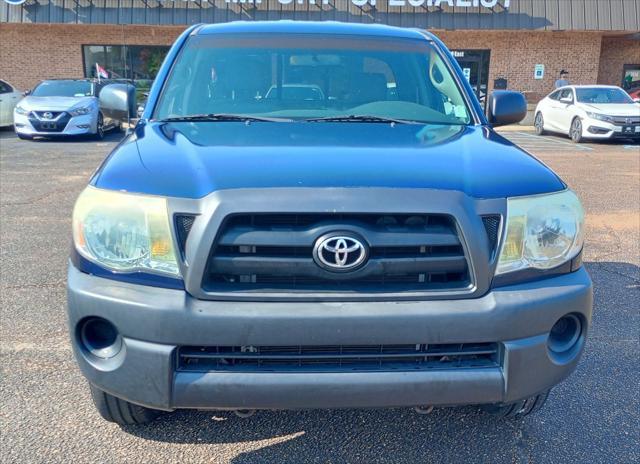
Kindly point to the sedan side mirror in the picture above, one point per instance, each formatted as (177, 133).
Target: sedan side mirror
(118, 101)
(26, 92)
(567, 100)
(506, 107)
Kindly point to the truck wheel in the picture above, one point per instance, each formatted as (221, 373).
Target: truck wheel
(519, 409)
(121, 412)
(99, 135)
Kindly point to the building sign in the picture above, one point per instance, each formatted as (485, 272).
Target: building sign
(392, 3)
(534, 15)
(538, 72)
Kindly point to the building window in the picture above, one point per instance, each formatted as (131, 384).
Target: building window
(631, 77)
(139, 63)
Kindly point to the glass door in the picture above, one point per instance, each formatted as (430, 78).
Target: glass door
(475, 67)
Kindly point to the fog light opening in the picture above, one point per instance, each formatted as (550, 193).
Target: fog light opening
(565, 334)
(100, 338)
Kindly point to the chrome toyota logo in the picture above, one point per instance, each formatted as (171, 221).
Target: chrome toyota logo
(628, 120)
(339, 252)
(48, 115)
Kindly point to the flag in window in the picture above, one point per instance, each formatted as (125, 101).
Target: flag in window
(101, 72)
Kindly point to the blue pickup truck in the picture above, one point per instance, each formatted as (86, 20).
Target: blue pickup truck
(320, 215)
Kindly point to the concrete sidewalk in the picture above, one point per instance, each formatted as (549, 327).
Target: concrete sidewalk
(515, 128)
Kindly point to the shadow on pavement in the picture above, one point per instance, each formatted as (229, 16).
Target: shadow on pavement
(111, 136)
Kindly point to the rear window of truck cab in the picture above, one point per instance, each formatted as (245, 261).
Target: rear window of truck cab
(309, 76)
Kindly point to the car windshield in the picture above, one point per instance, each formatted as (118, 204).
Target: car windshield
(602, 95)
(63, 89)
(311, 77)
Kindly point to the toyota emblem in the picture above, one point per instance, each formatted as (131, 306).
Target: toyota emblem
(340, 252)
(48, 115)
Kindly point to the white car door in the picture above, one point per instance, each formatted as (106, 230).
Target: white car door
(565, 110)
(9, 97)
(549, 107)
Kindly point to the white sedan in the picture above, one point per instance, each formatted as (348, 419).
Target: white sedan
(9, 97)
(589, 111)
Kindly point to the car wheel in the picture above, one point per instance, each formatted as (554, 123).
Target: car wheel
(539, 124)
(114, 409)
(576, 130)
(25, 137)
(99, 135)
(519, 409)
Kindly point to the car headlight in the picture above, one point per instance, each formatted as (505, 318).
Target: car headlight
(80, 111)
(124, 232)
(542, 232)
(599, 117)
(20, 110)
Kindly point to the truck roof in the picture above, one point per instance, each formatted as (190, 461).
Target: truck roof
(311, 27)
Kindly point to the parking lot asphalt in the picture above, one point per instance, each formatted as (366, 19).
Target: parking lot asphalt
(46, 414)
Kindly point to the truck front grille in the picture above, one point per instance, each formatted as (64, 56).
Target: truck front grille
(337, 358)
(273, 253)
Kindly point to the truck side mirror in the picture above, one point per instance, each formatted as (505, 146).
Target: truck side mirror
(506, 107)
(118, 101)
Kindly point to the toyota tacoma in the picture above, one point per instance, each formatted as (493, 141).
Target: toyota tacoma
(321, 215)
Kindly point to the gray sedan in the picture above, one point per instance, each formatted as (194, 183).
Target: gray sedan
(63, 108)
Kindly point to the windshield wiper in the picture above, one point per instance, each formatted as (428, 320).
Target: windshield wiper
(362, 118)
(222, 117)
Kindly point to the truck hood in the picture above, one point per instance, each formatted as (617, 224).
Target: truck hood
(613, 109)
(31, 103)
(191, 160)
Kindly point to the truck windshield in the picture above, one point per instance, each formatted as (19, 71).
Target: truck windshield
(602, 95)
(63, 89)
(310, 77)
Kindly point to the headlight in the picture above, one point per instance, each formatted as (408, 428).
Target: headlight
(124, 232)
(20, 110)
(542, 232)
(80, 111)
(600, 117)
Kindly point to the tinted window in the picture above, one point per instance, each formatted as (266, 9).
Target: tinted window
(5, 88)
(309, 76)
(63, 89)
(602, 95)
(555, 95)
(566, 93)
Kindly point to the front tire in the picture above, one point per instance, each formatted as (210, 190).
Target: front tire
(518, 409)
(576, 131)
(121, 412)
(539, 124)
(99, 135)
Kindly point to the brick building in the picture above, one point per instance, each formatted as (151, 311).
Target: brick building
(523, 42)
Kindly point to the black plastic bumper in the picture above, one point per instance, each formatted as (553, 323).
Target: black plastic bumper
(154, 321)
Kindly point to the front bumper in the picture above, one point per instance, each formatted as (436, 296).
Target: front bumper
(154, 322)
(596, 129)
(77, 125)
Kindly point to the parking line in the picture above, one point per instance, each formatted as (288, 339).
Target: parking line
(531, 142)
